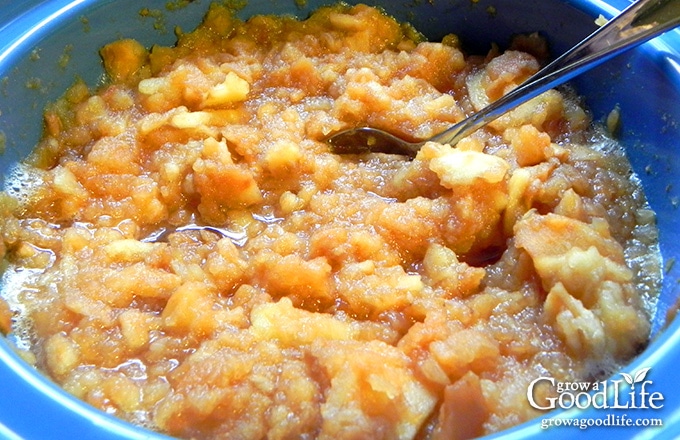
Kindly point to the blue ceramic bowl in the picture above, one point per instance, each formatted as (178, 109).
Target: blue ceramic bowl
(45, 44)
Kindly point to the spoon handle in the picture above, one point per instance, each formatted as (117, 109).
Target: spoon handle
(638, 23)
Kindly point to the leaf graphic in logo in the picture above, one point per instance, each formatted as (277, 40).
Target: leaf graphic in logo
(641, 374)
(628, 379)
(639, 377)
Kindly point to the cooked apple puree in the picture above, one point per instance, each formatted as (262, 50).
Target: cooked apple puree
(186, 253)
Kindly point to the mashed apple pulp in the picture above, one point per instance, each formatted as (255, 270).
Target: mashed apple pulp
(186, 253)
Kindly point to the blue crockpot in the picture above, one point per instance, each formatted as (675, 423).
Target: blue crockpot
(36, 36)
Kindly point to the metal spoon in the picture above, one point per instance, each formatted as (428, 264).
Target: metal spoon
(640, 22)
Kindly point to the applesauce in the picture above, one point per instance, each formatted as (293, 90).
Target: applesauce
(185, 252)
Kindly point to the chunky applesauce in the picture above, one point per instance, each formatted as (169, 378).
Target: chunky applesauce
(184, 251)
